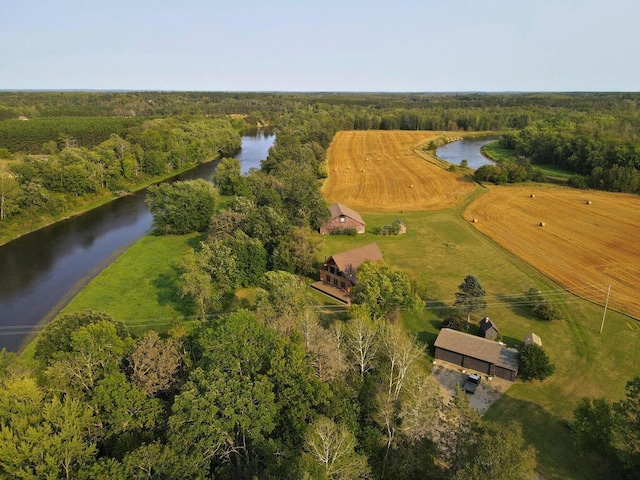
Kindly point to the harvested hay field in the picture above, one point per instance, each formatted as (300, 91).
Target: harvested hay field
(380, 171)
(583, 240)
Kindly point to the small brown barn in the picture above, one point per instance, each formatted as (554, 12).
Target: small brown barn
(342, 217)
(338, 273)
(488, 329)
(475, 353)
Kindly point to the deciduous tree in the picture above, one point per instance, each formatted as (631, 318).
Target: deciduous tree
(534, 364)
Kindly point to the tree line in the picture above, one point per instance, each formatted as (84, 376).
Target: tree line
(36, 185)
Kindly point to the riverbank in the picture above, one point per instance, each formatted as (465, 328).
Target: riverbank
(14, 228)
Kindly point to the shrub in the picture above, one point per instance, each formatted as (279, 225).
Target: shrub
(454, 324)
(543, 309)
(352, 231)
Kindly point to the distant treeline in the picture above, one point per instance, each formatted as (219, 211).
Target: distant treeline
(594, 135)
(41, 135)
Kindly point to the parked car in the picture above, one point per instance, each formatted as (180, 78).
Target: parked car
(472, 383)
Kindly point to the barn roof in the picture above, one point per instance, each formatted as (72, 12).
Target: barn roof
(468, 345)
(350, 260)
(338, 209)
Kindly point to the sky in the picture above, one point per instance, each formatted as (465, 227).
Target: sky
(324, 45)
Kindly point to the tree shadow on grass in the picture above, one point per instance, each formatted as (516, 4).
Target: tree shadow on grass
(195, 241)
(518, 305)
(167, 292)
(557, 454)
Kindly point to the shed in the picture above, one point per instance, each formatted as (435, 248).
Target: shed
(488, 329)
(475, 353)
(402, 227)
(530, 338)
(342, 217)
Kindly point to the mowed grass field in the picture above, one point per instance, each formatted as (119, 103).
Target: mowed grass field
(379, 170)
(584, 247)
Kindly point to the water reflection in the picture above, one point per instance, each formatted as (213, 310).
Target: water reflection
(467, 149)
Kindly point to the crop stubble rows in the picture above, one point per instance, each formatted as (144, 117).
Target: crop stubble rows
(379, 171)
(584, 247)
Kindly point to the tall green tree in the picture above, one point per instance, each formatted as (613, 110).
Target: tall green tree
(470, 296)
(500, 453)
(533, 363)
(181, 207)
(627, 428)
(228, 177)
(381, 290)
(10, 195)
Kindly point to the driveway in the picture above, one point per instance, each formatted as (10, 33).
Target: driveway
(448, 375)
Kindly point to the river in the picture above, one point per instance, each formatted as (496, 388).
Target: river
(467, 149)
(40, 272)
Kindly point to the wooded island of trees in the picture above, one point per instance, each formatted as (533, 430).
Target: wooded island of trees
(274, 390)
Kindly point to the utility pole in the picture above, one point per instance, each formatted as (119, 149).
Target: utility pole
(606, 304)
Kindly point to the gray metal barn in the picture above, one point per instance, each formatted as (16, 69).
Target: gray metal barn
(475, 353)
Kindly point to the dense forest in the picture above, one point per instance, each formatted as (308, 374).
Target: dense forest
(276, 389)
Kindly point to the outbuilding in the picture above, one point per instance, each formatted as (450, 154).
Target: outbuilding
(475, 353)
(488, 329)
(530, 338)
(342, 217)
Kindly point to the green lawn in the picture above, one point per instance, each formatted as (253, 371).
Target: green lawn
(497, 153)
(439, 250)
(139, 286)
(553, 171)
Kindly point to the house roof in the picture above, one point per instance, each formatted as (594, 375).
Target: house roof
(487, 324)
(338, 209)
(349, 261)
(468, 345)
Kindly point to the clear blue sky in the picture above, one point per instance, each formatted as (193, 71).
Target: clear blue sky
(322, 45)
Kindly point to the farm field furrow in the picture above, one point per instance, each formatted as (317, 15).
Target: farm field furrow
(584, 240)
(379, 171)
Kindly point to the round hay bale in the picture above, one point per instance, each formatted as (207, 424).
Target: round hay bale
(588, 202)
(475, 220)
(363, 170)
(541, 224)
(411, 186)
(533, 195)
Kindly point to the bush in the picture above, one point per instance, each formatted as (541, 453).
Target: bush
(454, 324)
(578, 181)
(543, 309)
(352, 231)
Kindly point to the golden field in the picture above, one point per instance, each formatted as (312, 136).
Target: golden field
(381, 171)
(584, 247)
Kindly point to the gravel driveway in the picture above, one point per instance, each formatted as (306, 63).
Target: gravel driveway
(449, 375)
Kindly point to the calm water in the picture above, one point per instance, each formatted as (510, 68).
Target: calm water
(468, 149)
(40, 272)
(254, 151)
